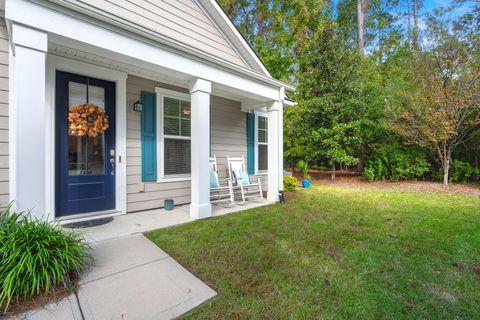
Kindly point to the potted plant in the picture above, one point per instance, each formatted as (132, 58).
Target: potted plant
(303, 167)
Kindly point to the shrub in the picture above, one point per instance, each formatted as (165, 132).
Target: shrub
(37, 255)
(369, 174)
(290, 183)
(395, 162)
(463, 172)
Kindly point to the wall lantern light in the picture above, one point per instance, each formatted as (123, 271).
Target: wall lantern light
(137, 106)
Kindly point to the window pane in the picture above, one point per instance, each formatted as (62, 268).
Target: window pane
(262, 123)
(86, 154)
(77, 163)
(95, 154)
(262, 157)
(185, 109)
(77, 93)
(262, 136)
(96, 95)
(172, 126)
(185, 128)
(171, 107)
(177, 157)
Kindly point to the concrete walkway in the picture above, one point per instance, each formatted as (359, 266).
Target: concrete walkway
(144, 221)
(132, 279)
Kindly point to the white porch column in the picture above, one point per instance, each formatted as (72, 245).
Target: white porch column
(29, 120)
(280, 139)
(273, 150)
(200, 90)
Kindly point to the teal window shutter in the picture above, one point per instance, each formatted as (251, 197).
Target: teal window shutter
(149, 136)
(251, 142)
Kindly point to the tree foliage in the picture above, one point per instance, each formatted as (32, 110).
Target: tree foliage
(368, 73)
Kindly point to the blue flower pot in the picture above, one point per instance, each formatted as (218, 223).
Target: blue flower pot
(168, 204)
(306, 183)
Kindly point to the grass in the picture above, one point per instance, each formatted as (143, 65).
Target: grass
(338, 253)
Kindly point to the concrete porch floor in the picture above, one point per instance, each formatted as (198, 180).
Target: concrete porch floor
(143, 221)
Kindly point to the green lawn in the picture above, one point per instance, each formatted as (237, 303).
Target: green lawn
(338, 253)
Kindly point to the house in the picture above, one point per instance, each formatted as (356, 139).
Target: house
(111, 107)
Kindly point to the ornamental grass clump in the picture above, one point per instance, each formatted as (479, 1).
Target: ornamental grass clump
(37, 256)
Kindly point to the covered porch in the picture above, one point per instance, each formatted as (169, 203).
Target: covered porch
(60, 43)
(144, 221)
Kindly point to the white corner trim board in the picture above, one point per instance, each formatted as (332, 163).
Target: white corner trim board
(30, 167)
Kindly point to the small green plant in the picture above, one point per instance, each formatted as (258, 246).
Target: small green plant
(290, 183)
(37, 255)
(303, 167)
(369, 174)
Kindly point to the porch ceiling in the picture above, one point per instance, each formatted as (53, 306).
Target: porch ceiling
(85, 53)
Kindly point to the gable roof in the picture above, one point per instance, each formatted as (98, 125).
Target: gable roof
(198, 25)
(223, 21)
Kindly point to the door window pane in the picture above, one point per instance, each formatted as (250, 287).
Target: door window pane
(86, 155)
(96, 95)
(77, 93)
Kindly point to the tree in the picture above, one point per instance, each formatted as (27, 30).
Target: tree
(361, 8)
(327, 119)
(444, 111)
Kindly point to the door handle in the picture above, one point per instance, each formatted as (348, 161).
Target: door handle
(112, 162)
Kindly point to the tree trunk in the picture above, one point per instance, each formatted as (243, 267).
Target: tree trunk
(409, 33)
(416, 42)
(333, 171)
(360, 25)
(446, 166)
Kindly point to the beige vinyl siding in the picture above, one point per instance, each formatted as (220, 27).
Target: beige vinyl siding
(146, 195)
(4, 49)
(228, 137)
(183, 21)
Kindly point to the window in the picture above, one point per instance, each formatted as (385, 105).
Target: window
(261, 140)
(174, 134)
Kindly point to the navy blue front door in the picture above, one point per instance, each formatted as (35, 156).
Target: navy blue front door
(85, 165)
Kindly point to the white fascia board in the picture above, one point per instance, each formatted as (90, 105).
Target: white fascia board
(47, 19)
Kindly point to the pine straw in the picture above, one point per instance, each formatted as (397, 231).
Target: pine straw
(355, 180)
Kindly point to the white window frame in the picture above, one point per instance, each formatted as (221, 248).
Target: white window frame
(161, 93)
(265, 115)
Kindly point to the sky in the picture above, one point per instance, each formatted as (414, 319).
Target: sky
(429, 5)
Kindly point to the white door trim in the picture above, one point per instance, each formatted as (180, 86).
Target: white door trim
(55, 63)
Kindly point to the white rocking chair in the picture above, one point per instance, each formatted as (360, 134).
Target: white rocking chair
(217, 192)
(240, 178)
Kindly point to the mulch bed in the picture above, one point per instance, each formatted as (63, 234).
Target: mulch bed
(21, 306)
(292, 195)
(354, 179)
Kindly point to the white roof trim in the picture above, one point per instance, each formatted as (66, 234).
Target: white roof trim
(230, 30)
